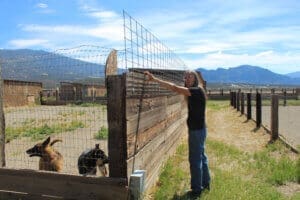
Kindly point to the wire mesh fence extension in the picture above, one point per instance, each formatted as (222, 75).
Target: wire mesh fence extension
(60, 94)
(144, 51)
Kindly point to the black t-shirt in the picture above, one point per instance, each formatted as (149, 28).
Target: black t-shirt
(196, 109)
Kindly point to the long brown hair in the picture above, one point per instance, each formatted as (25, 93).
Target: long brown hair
(199, 81)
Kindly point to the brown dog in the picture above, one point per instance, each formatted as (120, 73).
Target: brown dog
(50, 159)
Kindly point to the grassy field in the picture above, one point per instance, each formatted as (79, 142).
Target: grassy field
(268, 173)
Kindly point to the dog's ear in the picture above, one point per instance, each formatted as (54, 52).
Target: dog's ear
(46, 142)
(54, 141)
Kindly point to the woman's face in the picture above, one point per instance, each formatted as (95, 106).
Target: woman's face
(189, 79)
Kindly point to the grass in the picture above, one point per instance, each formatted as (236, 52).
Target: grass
(72, 113)
(289, 102)
(80, 104)
(217, 104)
(235, 174)
(39, 132)
(102, 134)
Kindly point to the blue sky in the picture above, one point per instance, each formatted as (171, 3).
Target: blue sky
(204, 33)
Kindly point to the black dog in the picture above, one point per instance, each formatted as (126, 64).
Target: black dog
(90, 159)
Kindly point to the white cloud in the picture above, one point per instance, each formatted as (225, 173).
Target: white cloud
(107, 31)
(44, 8)
(103, 14)
(24, 43)
(42, 5)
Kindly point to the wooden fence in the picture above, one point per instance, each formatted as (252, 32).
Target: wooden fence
(225, 94)
(145, 129)
(33, 184)
(237, 101)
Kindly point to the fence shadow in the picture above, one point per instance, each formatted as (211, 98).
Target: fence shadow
(246, 121)
(255, 129)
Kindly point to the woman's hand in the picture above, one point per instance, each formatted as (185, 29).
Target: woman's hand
(150, 76)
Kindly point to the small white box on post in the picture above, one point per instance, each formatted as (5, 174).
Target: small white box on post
(137, 184)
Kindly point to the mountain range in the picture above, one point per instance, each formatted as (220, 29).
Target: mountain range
(249, 75)
(48, 68)
(294, 74)
(51, 68)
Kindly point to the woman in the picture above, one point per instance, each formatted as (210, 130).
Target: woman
(196, 99)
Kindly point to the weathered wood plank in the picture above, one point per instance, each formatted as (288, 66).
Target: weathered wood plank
(147, 135)
(62, 185)
(116, 116)
(274, 117)
(133, 104)
(151, 117)
(111, 65)
(154, 154)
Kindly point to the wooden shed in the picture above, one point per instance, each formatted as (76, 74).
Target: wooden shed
(21, 93)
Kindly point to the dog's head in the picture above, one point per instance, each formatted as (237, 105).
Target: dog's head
(98, 154)
(90, 159)
(39, 148)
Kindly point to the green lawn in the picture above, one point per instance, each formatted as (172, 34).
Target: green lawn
(235, 174)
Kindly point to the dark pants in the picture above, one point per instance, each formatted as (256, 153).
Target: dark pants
(200, 177)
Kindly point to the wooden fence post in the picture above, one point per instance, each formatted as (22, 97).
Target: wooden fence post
(2, 124)
(242, 103)
(258, 110)
(116, 116)
(249, 115)
(238, 101)
(234, 99)
(274, 117)
(284, 97)
(111, 65)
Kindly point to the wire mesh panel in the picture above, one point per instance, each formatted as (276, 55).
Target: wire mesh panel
(58, 94)
(144, 51)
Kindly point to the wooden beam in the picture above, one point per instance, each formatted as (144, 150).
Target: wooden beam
(42, 184)
(258, 110)
(249, 114)
(111, 66)
(274, 117)
(116, 116)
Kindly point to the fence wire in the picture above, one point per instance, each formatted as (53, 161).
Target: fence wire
(144, 51)
(60, 94)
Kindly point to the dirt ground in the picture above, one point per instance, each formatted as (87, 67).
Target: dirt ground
(289, 122)
(232, 128)
(226, 125)
(73, 142)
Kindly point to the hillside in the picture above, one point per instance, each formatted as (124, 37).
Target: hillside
(247, 74)
(52, 68)
(294, 74)
(49, 68)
